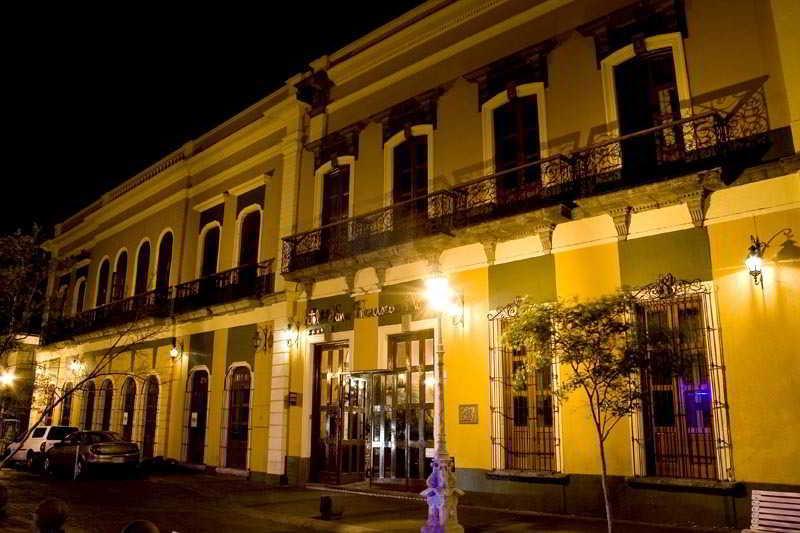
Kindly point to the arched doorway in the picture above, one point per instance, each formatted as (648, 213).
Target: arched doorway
(196, 430)
(128, 403)
(142, 268)
(119, 277)
(164, 261)
(150, 417)
(66, 405)
(238, 418)
(89, 391)
(107, 400)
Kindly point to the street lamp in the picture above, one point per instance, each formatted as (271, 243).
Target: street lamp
(442, 494)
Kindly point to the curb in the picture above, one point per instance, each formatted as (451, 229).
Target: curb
(306, 523)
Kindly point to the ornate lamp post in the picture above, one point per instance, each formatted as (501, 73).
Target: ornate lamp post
(442, 494)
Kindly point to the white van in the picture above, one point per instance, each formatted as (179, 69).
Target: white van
(40, 440)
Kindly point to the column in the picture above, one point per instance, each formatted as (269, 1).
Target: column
(279, 388)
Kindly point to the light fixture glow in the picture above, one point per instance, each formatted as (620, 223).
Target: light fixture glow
(176, 349)
(7, 378)
(754, 260)
(77, 367)
(438, 293)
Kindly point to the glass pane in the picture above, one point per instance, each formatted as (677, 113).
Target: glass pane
(415, 387)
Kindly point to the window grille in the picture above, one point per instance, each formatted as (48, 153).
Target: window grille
(682, 429)
(525, 421)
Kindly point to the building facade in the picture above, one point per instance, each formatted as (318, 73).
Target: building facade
(256, 296)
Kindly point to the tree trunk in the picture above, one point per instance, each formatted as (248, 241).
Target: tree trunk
(604, 481)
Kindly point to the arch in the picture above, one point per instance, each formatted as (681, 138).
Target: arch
(196, 420)
(103, 279)
(79, 296)
(128, 408)
(388, 158)
(536, 89)
(66, 405)
(211, 234)
(673, 41)
(152, 389)
(120, 275)
(141, 269)
(164, 258)
(236, 418)
(248, 228)
(319, 177)
(89, 398)
(106, 404)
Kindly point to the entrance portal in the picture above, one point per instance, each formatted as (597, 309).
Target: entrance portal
(198, 403)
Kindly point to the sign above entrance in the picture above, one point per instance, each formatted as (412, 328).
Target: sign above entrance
(319, 320)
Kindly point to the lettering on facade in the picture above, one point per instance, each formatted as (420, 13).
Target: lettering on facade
(320, 320)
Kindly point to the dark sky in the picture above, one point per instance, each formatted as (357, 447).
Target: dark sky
(93, 94)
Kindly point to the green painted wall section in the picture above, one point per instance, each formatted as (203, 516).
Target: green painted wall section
(341, 302)
(684, 254)
(201, 349)
(240, 345)
(534, 278)
(400, 294)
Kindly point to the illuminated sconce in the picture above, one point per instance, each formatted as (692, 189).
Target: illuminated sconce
(77, 367)
(755, 255)
(292, 334)
(177, 349)
(755, 260)
(443, 299)
(7, 378)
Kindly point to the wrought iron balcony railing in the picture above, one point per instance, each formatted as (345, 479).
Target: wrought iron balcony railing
(670, 149)
(246, 281)
(396, 224)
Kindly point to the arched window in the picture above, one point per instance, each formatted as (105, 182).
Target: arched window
(128, 404)
(250, 234)
(142, 268)
(106, 401)
(118, 279)
(164, 261)
(66, 405)
(80, 296)
(89, 391)
(210, 257)
(102, 283)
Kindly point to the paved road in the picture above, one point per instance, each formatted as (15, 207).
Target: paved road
(187, 502)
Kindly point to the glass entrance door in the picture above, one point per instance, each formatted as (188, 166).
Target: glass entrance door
(402, 413)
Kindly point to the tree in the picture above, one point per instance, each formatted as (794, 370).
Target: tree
(603, 351)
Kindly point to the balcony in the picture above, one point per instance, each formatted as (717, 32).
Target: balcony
(248, 281)
(644, 160)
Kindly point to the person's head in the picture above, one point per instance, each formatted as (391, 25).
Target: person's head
(50, 516)
(140, 526)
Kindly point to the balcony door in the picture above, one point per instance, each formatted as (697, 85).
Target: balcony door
(647, 96)
(210, 258)
(516, 143)
(335, 208)
(410, 183)
(119, 277)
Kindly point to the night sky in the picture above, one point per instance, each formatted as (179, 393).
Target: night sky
(92, 95)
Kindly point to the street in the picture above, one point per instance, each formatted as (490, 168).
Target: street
(193, 502)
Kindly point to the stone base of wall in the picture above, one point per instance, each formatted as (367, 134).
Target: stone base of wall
(653, 500)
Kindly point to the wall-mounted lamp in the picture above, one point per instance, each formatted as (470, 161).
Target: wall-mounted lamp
(292, 333)
(7, 378)
(755, 255)
(77, 367)
(177, 349)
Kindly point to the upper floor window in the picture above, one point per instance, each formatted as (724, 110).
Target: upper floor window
(209, 254)
(249, 237)
(119, 277)
(164, 263)
(142, 268)
(517, 141)
(80, 296)
(335, 194)
(408, 162)
(102, 283)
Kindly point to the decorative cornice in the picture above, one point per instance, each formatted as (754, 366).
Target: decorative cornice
(634, 22)
(420, 109)
(336, 144)
(525, 66)
(315, 90)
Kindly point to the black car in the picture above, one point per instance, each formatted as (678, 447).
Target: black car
(85, 450)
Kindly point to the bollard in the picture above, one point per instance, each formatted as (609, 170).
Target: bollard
(330, 508)
(140, 526)
(50, 516)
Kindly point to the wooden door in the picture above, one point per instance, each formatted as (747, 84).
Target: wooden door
(107, 393)
(128, 405)
(516, 143)
(410, 185)
(335, 208)
(331, 361)
(198, 405)
(150, 417)
(88, 405)
(238, 418)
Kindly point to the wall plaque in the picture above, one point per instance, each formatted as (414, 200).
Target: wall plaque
(468, 413)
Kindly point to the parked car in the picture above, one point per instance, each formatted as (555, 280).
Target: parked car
(9, 431)
(85, 450)
(41, 439)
